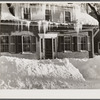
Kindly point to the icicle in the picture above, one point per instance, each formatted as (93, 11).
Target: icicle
(54, 9)
(25, 7)
(61, 17)
(22, 13)
(39, 26)
(18, 25)
(43, 9)
(45, 26)
(21, 25)
(28, 24)
(31, 12)
(28, 6)
(49, 6)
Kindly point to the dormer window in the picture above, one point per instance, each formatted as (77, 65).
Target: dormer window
(67, 17)
(27, 13)
(48, 15)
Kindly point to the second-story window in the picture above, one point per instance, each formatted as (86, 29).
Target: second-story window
(27, 13)
(48, 15)
(67, 16)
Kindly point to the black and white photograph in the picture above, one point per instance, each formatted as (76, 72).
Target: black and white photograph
(49, 45)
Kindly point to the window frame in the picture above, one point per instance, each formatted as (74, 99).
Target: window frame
(48, 14)
(67, 17)
(2, 45)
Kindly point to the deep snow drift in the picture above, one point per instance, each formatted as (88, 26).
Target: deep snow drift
(25, 73)
(18, 73)
(89, 68)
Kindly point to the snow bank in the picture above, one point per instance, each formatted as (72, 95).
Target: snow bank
(25, 73)
(89, 68)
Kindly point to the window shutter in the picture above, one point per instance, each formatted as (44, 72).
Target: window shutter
(33, 44)
(13, 44)
(78, 43)
(60, 43)
(88, 43)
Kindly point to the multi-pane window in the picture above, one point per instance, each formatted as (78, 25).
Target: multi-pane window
(84, 43)
(69, 43)
(17, 44)
(4, 43)
(60, 43)
(33, 44)
(26, 43)
(13, 43)
(27, 14)
(48, 15)
(67, 17)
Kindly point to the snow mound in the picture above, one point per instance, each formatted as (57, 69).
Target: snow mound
(22, 73)
(89, 68)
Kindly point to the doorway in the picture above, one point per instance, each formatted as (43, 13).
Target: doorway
(48, 48)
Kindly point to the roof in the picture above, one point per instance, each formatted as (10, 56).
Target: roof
(5, 14)
(86, 19)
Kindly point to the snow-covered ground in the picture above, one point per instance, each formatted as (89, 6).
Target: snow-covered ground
(20, 73)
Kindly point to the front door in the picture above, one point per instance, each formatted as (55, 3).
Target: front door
(48, 48)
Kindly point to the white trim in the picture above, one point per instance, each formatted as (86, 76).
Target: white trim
(48, 35)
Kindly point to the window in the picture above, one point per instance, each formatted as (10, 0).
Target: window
(64, 43)
(48, 15)
(61, 43)
(26, 43)
(27, 13)
(84, 43)
(69, 43)
(13, 44)
(33, 44)
(4, 41)
(67, 17)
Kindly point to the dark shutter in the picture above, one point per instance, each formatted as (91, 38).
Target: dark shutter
(88, 43)
(33, 44)
(79, 43)
(75, 43)
(60, 43)
(13, 40)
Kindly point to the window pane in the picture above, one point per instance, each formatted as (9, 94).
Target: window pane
(26, 43)
(67, 42)
(13, 43)
(4, 44)
(48, 15)
(67, 16)
(33, 44)
(83, 43)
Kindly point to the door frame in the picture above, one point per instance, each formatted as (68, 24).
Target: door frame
(47, 36)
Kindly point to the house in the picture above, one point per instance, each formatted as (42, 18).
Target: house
(46, 30)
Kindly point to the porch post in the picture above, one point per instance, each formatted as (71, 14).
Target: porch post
(52, 49)
(91, 52)
(9, 43)
(44, 48)
(40, 47)
(22, 43)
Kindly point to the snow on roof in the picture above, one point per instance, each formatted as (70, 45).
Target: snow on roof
(86, 19)
(22, 33)
(5, 14)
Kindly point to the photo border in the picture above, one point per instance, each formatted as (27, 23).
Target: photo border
(50, 94)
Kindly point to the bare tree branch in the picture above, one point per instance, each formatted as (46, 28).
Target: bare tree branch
(94, 10)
